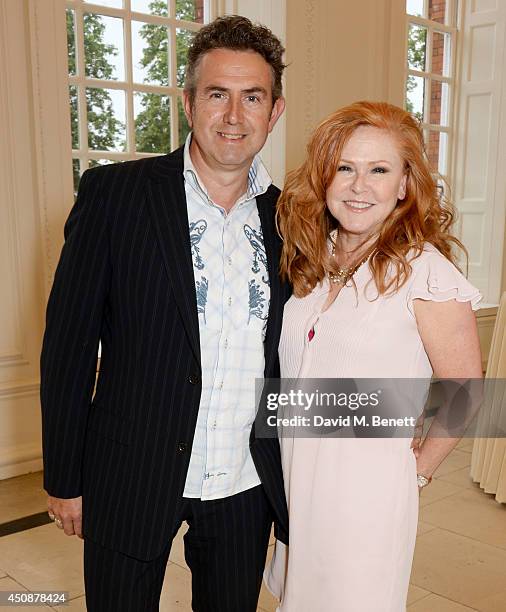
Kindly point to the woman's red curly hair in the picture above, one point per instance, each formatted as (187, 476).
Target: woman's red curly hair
(305, 222)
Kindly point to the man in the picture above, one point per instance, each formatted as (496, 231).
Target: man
(172, 263)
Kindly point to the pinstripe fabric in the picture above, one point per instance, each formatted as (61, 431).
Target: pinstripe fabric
(225, 548)
(125, 277)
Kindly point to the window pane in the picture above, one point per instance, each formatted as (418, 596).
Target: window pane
(103, 47)
(74, 118)
(184, 128)
(415, 95)
(106, 119)
(417, 47)
(151, 7)
(437, 11)
(150, 53)
(190, 10)
(415, 7)
(438, 112)
(110, 3)
(441, 59)
(71, 41)
(437, 147)
(183, 41)
(76, 172)
(152, 123)
(93, 163)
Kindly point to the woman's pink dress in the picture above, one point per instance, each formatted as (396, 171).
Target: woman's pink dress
(353, 503)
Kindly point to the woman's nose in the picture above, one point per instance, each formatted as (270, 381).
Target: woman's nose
(359, 183)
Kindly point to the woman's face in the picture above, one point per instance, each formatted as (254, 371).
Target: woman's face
(369, 180)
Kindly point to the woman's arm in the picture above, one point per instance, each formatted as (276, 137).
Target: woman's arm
(450, 336)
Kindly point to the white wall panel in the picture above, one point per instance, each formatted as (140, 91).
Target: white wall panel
(21, 260)
(480, 160)
(481, 62)
(472, 231)
(483, 5)
(340, 52)
(477, 147)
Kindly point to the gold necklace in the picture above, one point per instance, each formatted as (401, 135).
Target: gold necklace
(343, 275)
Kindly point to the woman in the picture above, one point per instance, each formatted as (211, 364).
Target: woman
(368, 250)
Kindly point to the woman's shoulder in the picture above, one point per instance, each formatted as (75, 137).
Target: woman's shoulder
(434, 277)
(428, 253)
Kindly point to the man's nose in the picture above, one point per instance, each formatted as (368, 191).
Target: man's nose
(233, 112)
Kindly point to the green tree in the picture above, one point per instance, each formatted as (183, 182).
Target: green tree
(152, 125)
(417, 49)
(103, 126)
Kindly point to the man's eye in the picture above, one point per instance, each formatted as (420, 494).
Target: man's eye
(344, 169)
(217, 95)
(253, 99)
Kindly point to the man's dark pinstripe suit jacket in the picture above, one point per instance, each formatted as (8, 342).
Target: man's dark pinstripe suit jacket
(125, 277)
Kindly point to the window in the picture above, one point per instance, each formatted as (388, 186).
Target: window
(430, 80)
(126, 63)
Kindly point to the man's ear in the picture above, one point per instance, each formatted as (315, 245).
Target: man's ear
(187, 105)
(277, 110)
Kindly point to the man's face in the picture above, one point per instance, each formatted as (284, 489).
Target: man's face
(232, 111)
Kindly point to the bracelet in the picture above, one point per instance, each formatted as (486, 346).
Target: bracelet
(422, 480)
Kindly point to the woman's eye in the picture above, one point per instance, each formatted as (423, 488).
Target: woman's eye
(380, 170)
(344, 169)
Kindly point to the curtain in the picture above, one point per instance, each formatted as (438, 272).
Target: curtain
(488, 462)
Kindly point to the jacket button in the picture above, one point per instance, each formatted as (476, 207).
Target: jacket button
(181, 447)
(194, 379)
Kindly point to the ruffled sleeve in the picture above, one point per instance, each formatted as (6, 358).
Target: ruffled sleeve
(437, 279)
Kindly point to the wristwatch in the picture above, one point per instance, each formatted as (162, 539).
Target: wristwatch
(422, 480)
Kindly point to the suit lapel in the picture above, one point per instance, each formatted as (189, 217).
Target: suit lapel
(167, 205)
(266, 204)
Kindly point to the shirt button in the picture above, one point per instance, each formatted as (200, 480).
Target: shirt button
(182, 447)
(230, 301)
(226, 342)
(194, 379)
(229, 259)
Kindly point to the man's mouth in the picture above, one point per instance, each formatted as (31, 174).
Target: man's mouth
(358, 204)
(232, 136)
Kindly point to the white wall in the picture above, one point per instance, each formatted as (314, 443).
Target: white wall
(21, 251)
(340, 52)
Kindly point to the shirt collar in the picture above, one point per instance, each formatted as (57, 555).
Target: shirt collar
(258, 177)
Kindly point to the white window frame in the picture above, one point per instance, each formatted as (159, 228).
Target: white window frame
(81, 81)
(429, 76)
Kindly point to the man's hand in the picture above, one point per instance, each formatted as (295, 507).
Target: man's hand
(67, 514)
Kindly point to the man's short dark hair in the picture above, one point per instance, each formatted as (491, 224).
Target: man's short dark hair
(238, 34)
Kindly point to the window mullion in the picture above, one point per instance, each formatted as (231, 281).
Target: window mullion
(428, 23)
(129, 109)
(174, 135)
(82, 111)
